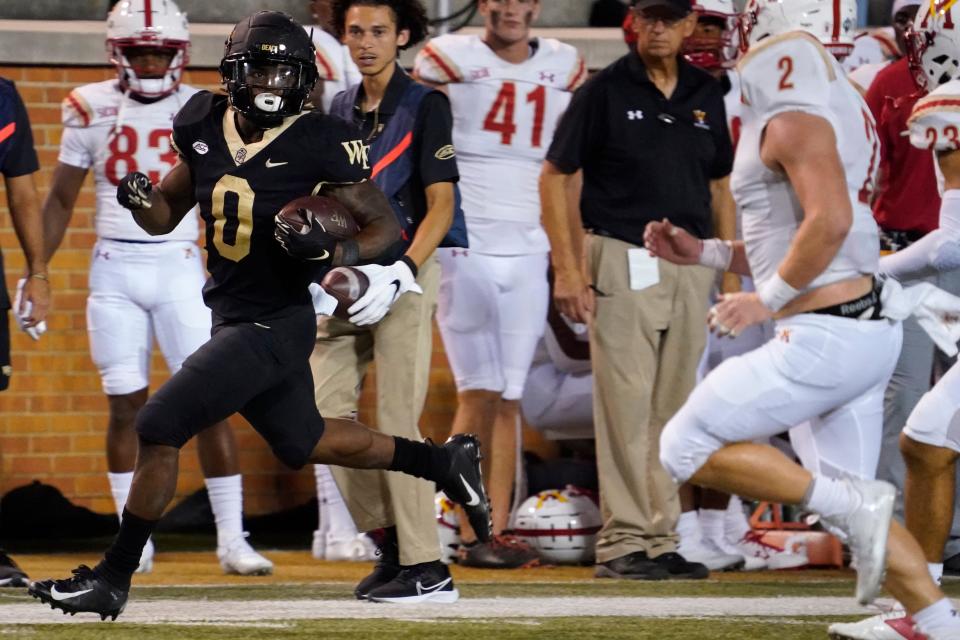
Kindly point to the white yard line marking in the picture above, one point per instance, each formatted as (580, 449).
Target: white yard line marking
(257, 611)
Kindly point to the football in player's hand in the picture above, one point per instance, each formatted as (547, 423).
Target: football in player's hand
(304, 213)
(347, 285)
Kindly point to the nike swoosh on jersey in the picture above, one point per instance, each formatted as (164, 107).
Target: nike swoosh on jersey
(474, 498)
(422, 590)
(322, 256)
(60, 597)
(271, 165)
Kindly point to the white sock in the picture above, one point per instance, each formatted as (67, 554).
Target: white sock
(226, 501)
(335, 518)
(936, 571)
(830, 497)
(938, 617)
(120, 488)
(688, 528)
(712, 524)
(735, 524)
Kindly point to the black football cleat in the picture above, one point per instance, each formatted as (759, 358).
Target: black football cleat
(419, 583)
(387, 567)
(10, 574)
(463, 482)
(84, 592)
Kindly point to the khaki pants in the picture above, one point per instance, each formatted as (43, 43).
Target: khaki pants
(645, 346)
(401, 345)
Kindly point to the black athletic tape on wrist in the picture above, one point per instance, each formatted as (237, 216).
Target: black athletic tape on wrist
(407, 260)
(349, 252)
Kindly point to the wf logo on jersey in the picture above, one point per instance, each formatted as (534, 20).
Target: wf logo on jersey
(636, 114)
(357, 152)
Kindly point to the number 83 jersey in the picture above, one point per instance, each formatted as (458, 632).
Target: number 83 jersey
(240, 188)
(114, 134)
(504, 118)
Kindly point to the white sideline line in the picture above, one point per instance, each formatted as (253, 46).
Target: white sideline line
(258, 611)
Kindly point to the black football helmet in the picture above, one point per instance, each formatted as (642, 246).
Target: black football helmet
(268, 67)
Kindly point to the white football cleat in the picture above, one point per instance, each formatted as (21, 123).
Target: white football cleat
(705, 552)
(146, 557)
(753, 553)
(239, 558)
(893, 625)
(865, 530)
(356, 548)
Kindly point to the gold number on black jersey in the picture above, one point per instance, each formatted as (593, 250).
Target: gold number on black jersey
(232, 209)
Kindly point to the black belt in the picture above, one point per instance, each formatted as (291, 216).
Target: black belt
(892, 240)
(866, 307)
(138, 241)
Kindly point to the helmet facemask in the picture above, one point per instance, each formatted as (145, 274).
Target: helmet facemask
(712, 53)
(148, 85)
(266, 89)
(156, 25)
(933, 49)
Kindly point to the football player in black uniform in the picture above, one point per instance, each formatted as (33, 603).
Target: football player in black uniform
(242, 158)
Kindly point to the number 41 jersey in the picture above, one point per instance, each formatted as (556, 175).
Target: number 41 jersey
(504, 118)
(240, 188)
(114, 135)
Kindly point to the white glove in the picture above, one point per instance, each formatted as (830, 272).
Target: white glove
(324, 304)
(35, 331)
(386, 285)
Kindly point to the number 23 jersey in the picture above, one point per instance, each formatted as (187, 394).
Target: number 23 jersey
(240, 188)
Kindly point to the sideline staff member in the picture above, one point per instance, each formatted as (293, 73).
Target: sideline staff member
(650, 134)
(409, 129)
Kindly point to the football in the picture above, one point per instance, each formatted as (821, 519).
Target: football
(333, 217)
(347, 285)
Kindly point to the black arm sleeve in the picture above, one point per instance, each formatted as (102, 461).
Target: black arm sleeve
(572, 136)
(17, 154)
(434, 134)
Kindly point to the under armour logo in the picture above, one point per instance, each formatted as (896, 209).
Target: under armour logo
(459, 252)
(635, 114)
(546, 77)
(784, 335)
(188, 253)
(103, 254)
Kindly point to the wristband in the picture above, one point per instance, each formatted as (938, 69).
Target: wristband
(349, 252)
(407, 260)
(775, 293)
(716, 253)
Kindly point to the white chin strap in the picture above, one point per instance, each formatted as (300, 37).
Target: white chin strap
(268, 102)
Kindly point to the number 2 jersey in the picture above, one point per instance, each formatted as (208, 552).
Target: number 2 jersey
(114, 134)
(504, 117)
(240, 188)
(793, 72)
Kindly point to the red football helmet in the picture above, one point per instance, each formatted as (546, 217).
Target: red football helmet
(714, 53)
(148, 23)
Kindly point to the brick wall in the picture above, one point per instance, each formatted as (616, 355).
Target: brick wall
(53, 417)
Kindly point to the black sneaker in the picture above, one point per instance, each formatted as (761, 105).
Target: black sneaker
(424, 582)
(678, 568)
(463, 483)
(633, 566)
(85, 591)
(502, 552)
(10, 574)
(387, 567)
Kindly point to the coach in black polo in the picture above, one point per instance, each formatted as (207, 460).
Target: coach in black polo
(650, 135)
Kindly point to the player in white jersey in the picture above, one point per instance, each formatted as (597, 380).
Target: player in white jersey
(141, 288)
(930, 441)
(336, 70)
(802, 179)
(507, 92)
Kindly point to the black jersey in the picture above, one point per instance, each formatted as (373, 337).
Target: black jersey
(240, 188)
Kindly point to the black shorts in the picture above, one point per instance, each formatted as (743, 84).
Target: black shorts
(261, 371)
